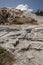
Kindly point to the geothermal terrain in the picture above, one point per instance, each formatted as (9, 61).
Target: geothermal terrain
(21, 37)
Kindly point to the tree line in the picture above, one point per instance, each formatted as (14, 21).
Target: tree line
(39, 12)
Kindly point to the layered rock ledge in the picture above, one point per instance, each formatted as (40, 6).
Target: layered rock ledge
(25, 42)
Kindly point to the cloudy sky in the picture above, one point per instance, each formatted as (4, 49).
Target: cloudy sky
(23, 4)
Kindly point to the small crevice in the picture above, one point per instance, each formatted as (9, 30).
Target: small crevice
(29, 30)
(17, 42)
(25, 49)
(35, 49)
(37, 40)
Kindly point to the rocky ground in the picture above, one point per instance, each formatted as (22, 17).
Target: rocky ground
(25, 42)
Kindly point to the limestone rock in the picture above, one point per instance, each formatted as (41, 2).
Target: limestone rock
(25, 42)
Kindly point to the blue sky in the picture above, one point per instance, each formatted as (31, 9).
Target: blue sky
(33, 4)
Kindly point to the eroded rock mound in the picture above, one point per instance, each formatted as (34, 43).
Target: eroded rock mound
(14, 16)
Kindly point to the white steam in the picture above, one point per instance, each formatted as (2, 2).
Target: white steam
(23, 7)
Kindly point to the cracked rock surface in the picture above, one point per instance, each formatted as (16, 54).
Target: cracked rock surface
(25, 42)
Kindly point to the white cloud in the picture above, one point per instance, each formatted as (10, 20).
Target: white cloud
(24, 7)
